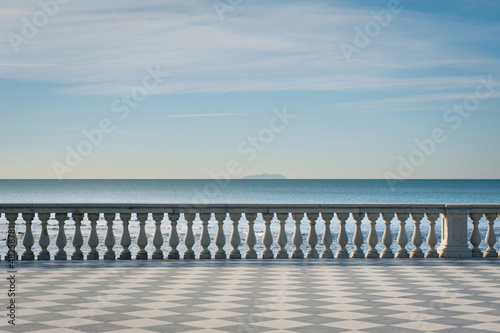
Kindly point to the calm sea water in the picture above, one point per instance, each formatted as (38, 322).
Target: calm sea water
(249, 191)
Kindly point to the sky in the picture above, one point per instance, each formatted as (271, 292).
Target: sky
(230, 88)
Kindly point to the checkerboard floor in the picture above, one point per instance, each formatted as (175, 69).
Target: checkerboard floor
(257, 296)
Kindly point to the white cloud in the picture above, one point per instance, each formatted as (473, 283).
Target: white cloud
(101, 48)
(205, 115)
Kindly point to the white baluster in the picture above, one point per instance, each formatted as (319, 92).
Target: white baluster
(312, 238)
(109, 240)
(372, 236)
(93, 240)
(235, 236)
(77, 237)
(158, 237)
(142, 238)
(173, 239)
(327, 239)
(28, 240)
(11, 240)
(282, 238)
(297, 238)
(220, 238)
(417, 236)
(189, 237)
(490, 240)
(251, 240)
(44, 239)
(358, 236)
(402, 237)
(387, 236)
(267, 239)
(432, 238)
(61, 240)
(342, 238)
(205, 236)
(125, 239)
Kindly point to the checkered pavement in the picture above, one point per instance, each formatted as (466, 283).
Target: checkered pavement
(257, 296)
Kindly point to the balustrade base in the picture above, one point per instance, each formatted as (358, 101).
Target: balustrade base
(205, 255)
(189, 255)
(417, 254)
(342, 254)
(93, 256)
(357, 254)
(28, 257)
(282, 255)
(125, 256)
(141, 256)
(77, 256)
(235, 254)
(109, 256)
(432, 254)
(387, 253)
(372, 254)
(267, 254)
(490, 254)
(454, 252)
(297, 254)
(251, 255)
(44, 256)
(173, 255)
(327, 255)
(312, 254)
(402, 254)
(220, 256)
(60, 256)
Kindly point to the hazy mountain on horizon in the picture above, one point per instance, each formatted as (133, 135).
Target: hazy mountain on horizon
(266, 176)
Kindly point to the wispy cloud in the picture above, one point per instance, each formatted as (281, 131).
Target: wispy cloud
(205, 115)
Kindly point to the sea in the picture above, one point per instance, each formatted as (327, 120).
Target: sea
(241, 191)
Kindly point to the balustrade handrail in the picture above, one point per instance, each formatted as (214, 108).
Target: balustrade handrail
(244, 207)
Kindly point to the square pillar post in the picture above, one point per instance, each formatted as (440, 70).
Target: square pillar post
(454, 234)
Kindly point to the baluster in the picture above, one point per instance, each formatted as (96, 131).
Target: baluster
(61, 240)
(402, 237)
(235, 237)
(11, 240)
(372, 236)
(387, 236)
(109, 240)
(77, 237)
(358, 236)
(297, 237)
(220, 238)
(282, 239)
(417, 236)
(93, 240)
(251, 240)
(142, 238)
(327, 236)
(312, 238)
(158, 237)
(44, 239)
(267, 239)
(432, 238)
(28, 240)
(205, 236)
(125, 240)
(490, 237)
(189, 237)
(342, 237)
(173, 239)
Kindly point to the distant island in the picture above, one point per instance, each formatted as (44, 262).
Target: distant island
(266, 176)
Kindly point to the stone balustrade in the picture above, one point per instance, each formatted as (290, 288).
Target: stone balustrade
(454, 218)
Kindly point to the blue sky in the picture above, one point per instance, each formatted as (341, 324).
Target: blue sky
(232, 67)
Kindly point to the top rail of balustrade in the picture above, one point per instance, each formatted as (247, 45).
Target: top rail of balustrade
(246, 208)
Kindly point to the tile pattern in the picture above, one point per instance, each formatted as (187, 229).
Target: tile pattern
(258, 296)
